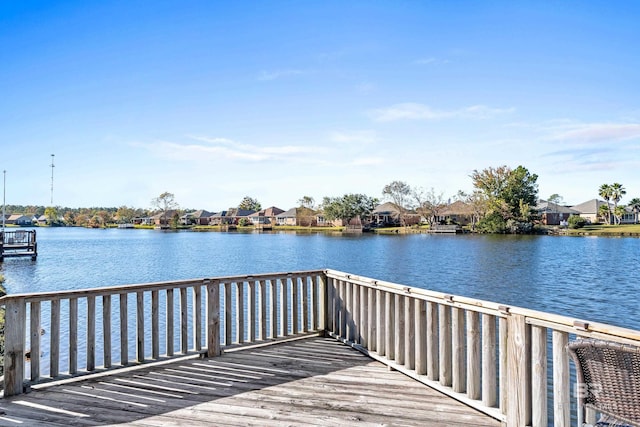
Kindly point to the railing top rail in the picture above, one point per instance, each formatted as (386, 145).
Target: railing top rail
(533, 316)
(112, 290)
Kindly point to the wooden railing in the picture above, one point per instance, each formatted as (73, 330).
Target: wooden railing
(155, 321)
(508, 362)
(495, 358)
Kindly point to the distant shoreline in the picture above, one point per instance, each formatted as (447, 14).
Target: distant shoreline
(597, 230)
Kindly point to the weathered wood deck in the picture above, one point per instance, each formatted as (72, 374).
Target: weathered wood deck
(312, 381)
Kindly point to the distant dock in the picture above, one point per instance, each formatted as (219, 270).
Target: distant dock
(19, 243)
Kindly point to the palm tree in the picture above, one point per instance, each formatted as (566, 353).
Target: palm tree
(634, 205)
(617, 191)
(605, 192)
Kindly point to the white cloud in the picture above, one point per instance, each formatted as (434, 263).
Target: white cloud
(206, 148)
(365, 87)
(416, 111)
(273, 75)
(597, 132)
(431, 61)
(363, 136)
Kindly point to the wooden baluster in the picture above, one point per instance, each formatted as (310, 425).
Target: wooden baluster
(318, 304)
(410, 333)
(355, 313)
(390, 325)
(213, 318)
(473, 355)
(54, 356)
(364, 317)
(539, 409)
(330, 297)
(170, 322)
(342, 308)
(140, 326)
(381, 322)
(400, 329)
(106, 330)
(371, 320)
(197, 317)
(459, 378)
(263, 310)
(420, 321)
(444, 334)
(433, 371)
(73, 336)
(124, 331)
(228, 313)
(304, 300)
(155, 324)
(252, 311)
(350, 332)
(295, 306)
(273, 309)
(91, 333)
(503, 358)
(184, 322)
(489, 373)
(240, 313)
(561, 384)
(284, 307)
(35, 340)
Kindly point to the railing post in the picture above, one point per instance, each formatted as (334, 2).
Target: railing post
(561, 384)
(213, 318)
(14, 342)
(517, 375)
(539, 376)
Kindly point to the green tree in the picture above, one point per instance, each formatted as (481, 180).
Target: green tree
(617, 192)
(618, 213)
(576, 221)
(399, 193)
(509, 195)
(52, 215)
(348, 207)
(250, 204)
(165, 202)
(428, 204)
(125, 214)
(305, 213)
(605, 191)
(307, 202)
(634, 205)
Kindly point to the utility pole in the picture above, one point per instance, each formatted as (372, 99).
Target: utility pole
(52, 166)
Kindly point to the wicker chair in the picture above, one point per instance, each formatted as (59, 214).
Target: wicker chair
(608, 377)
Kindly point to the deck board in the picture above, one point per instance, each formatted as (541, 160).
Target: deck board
(316, 381)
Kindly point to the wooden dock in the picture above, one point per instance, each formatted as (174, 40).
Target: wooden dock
(501, 361)
(18, 243)
(314, 381)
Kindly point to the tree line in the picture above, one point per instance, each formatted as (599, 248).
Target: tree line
(502, 201)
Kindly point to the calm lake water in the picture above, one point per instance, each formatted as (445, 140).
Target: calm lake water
(589, 278)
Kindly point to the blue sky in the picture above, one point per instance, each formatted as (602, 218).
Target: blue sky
(213, 101)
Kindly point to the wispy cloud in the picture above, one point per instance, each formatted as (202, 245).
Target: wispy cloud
(592, 146)
(362, 136)
(277, 74)
(597, 132)
(202, 148)
(365, 87)
(431, 61)
(416, 111)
